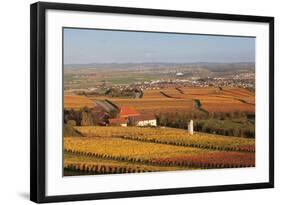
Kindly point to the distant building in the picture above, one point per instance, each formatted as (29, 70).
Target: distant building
(129, 116)
(179, 74)
(144, 120)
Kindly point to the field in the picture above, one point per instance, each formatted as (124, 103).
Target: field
(95, 77)
(130, 149)
(81, 164)
(115, 149)
(177, 100)
(76, 102)
(212, 99)
(171, 136)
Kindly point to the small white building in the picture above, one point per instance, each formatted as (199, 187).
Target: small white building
(179, 74)
(152, 122)
(145, 120)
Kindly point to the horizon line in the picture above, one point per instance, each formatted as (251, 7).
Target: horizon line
(218, 62)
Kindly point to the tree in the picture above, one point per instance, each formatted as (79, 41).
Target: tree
(197, 103)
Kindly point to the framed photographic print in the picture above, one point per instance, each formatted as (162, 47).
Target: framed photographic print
(129, 102)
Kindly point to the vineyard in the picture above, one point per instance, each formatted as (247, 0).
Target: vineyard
(173, 137)
(76, 101)
(182, 99)
(111, 150)
(95, 165)
(176, 99)
(219, 114)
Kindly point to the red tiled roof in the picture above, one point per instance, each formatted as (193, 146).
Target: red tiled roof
(128, 112)
(144, 117)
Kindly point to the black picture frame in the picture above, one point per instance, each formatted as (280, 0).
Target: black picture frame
(38, 101)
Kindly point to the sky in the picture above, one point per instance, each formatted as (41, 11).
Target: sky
(84, 46)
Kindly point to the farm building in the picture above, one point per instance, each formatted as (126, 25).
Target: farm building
(129, 116)
(144, 120)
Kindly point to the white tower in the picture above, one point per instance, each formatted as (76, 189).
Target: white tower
(190, 127)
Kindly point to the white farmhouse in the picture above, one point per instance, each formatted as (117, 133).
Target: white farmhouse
(145, 120)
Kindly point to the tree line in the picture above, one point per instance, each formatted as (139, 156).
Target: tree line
(204, 122)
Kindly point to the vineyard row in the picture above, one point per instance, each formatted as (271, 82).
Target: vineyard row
(201, 146)
(191, 162)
